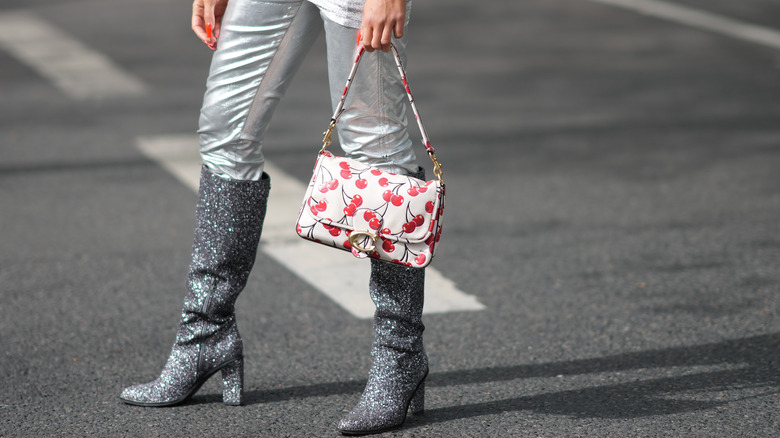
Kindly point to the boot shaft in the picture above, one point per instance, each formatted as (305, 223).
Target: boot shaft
(228, 223)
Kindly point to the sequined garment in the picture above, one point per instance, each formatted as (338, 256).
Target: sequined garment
(396, 381)
(229, 220)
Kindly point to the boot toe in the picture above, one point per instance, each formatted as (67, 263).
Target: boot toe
(145, 394)
(362, 422)
(135, 394)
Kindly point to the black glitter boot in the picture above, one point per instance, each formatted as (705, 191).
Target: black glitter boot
(229, 220)
(396, 381)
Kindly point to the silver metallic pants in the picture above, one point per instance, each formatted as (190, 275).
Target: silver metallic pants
(261, 45)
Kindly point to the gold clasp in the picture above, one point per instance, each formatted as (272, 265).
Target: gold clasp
(437, 170)
(326, 140)
(355, 235)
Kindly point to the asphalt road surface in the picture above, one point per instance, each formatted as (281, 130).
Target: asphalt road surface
(613, 205)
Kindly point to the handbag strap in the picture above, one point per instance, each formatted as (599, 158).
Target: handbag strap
(326, 139)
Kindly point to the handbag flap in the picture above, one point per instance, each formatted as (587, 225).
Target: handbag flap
(352, 196)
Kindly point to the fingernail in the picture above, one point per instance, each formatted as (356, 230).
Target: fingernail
(359, 37)
(209, 30)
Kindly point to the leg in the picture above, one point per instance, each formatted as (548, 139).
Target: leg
(396, 380)
(373, 129)
(243, 87)
(373, 126)
(262, 45)
(229, 219)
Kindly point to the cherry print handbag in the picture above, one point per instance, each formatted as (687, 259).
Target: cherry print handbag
(352, 206)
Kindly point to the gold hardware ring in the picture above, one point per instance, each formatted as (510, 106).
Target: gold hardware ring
(356, 235)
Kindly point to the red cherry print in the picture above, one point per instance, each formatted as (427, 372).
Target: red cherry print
(387, 195)
(314, 210)
(412, 191)
(324, 188)
(383, 182)
(429, 206)
(298, 229)
(388, 246)
(321, 206)
(397, 200)
(410, 227)
(422, 189)
(429, 183)
(361, 183)
(333, 184)
(376, 172)
(347, 245)
(344, 165)
(386, 231)
(335, 232)
(346, 174)
(357, 200)
(327, 154)
(368, 215)
(327, 227)
(375, 223)
(429, 240)
(350, 209)
(420, 259)
(419, 220)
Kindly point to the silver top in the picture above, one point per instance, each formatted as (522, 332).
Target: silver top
(347, 13)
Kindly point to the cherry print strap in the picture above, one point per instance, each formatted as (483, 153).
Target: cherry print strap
(326, 139)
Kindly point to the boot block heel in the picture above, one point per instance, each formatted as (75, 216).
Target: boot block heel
(417, 403)
(233, 382)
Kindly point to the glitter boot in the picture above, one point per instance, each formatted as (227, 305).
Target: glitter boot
(229, 220)
(396, 381)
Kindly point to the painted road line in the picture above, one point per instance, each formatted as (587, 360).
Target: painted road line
(76, 70)
(335, 273)
(708, 21)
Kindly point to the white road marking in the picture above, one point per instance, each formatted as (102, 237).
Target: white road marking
(708, 21)
(337, 274)
(76, 70)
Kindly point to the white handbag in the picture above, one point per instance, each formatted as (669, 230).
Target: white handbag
(352, 206)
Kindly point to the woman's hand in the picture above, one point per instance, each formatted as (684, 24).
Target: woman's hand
(382, 19)
(207, 20)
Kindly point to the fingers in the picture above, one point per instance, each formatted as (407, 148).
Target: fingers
(398, 31)
(364, 38)
(380, 37)
(382, 19)
(198, 23)
(206, 18)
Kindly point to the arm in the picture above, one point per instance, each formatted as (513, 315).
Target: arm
(382, 19)
(208, 14)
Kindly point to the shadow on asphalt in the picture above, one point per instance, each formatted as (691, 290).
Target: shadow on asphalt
(755, 363)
